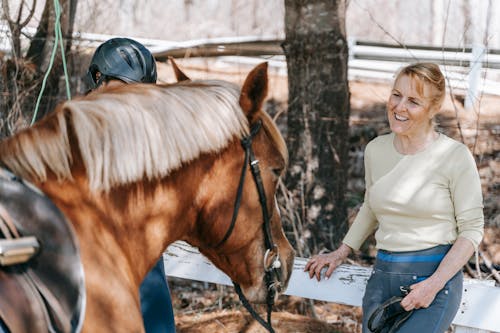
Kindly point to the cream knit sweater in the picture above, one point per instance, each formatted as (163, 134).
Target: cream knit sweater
(419, 201)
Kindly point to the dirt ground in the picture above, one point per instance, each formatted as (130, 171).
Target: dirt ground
(201, 307)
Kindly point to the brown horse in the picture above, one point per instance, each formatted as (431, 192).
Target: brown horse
(136, 167)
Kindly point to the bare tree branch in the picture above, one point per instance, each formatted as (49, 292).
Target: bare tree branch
(17, 25)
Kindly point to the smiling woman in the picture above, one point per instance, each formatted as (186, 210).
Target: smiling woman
(423, 198)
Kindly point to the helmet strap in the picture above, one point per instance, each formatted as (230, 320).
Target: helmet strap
(101, 80)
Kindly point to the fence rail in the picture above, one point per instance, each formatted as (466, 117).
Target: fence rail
(472, 71)
(478, 310)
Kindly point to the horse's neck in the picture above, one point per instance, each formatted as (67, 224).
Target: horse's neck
(135, 221)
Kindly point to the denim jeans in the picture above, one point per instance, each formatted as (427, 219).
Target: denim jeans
(395, 269)
(156, 305)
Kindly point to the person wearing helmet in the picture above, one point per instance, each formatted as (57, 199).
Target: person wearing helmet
(122, 61)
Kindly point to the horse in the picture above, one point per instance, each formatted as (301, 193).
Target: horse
(134, 168)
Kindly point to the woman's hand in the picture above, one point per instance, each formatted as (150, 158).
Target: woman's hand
(330, 260)
(421, 295)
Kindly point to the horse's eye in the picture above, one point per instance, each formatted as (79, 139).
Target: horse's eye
(277, 172)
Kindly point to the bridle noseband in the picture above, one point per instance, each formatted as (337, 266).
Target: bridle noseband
(272, 263)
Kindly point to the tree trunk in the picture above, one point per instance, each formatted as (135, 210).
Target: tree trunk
(318, 117)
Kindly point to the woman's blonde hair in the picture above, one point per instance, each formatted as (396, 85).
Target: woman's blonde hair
(427, 73)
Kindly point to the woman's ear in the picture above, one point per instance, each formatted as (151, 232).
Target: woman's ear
(433, 111)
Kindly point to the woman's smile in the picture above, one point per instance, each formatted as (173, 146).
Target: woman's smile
(399, 117)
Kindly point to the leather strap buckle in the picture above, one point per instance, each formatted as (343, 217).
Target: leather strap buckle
(18, 250)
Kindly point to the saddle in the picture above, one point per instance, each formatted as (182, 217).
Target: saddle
(41, 275)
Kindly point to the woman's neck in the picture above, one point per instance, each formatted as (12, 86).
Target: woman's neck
(409, 145)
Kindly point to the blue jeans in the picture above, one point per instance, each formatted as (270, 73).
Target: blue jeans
(395, 269)
(156, 305)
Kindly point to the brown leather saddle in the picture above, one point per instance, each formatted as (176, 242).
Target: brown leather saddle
(41, 274)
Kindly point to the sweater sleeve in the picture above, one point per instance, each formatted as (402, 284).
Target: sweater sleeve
(365, 222)
(465, 190)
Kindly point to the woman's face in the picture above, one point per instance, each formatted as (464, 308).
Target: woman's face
(408, 111)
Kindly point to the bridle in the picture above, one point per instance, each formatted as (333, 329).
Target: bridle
(272, 263)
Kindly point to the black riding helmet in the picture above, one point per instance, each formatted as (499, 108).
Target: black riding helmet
(124, 59)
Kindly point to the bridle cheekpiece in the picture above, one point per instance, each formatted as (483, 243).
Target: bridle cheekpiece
(272, 263)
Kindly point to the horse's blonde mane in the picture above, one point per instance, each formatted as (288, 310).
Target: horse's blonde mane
(131, 133)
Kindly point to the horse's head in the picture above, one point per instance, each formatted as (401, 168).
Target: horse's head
(239, 229)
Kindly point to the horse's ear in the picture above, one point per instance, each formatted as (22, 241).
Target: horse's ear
(180, 76)
(254, 91)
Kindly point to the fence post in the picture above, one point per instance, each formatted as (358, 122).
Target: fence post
(476, 64)
(480, 19)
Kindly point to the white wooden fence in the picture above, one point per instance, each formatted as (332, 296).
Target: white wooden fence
(479, 311)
